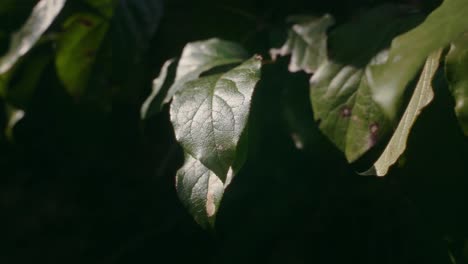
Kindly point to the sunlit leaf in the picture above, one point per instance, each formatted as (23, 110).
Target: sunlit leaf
(22, 41)
(339, 89)
(422, 96)
(202, 56)
(306, 43)
(154, 102)
(197, 58)
(409, 51)
(209, 116)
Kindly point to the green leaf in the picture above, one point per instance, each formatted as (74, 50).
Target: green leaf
(77, 48)
(339, 90)
(200, 190)
(306, 43)
(201, 56)
(209, 116)
(22, 41)
(25, 77)
(197, 58)
(456, 67)
(409, 51)
(422, 96)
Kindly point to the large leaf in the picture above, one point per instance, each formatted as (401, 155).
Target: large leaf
(197, 57)
(409, 51)
(306, 43)
(422, 96)
(22, 41)
(456, 67)
(339, 89)
(209, 116)
(77, 49)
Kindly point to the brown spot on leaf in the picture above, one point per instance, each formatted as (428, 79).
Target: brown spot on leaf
(345, 111)
(86, 22)
(374, 128)
(374, 131)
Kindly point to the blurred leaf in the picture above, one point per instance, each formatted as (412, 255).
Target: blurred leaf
(456, 67)
(132, 27)
(77, 49)
(197, 57)
(339, 89)
(18, 90)
(14, 115)
(409, 51)
(422, 96)
(22, 41)
(209, 116)
(306, 43)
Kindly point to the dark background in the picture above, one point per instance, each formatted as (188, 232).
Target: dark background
(84, 185)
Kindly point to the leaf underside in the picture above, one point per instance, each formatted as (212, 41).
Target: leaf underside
(422, 96)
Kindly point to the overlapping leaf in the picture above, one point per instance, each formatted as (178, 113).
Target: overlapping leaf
(456, 66)
(197, 57)
(409, 51)
(306, 43)
(422, 96)
(161, 85)
(209, 116)
(339, 89)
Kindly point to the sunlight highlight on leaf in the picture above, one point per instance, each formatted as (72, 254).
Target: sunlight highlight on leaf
(22, 41)
(422, 96)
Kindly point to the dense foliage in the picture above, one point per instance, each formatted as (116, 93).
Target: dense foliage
(234, 131)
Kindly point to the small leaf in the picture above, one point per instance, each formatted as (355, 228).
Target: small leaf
(306, 43)
(77, 49)
(154, 102)
(339, 90)
(456, 67)
(209, 116)
(197, 58)
(22, 41)
(422, 96)
(409, 51)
